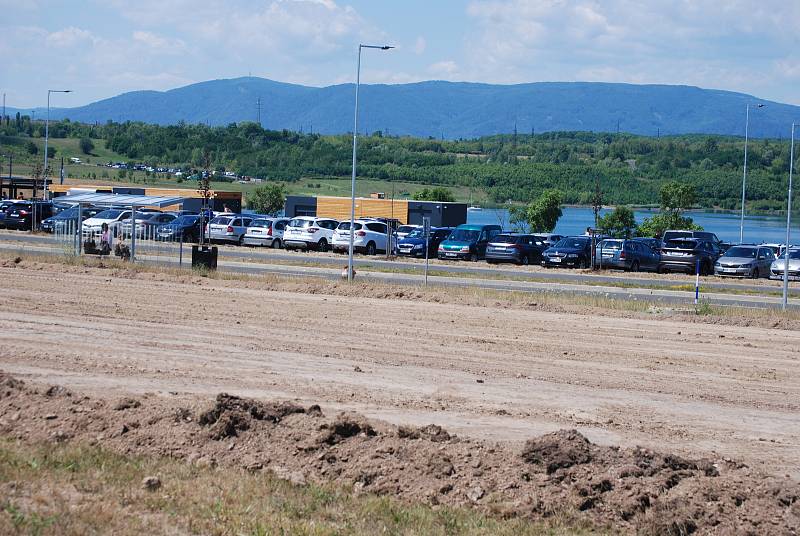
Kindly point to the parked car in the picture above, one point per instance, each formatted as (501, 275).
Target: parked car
(309, 232)
(185, 228)
(468, 242)
(66, 221)
(403, 231)
(572, 251)
(369, 236)
(266, 232)
(701, 235)
(653, 243)
(4, 206)
(745, 261)
(548, 238)
(21, 216)
(413, 245)
(517, 248)
(228, 228)
(778, 266)
(683, 254)
(113, 217)
(146, 224)
(631, 255)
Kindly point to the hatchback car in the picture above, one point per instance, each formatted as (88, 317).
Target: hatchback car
(228, 228)
(629, 255)
(369, 236)
(779, 265)
(572, 251)
(266, 232)
(745, 261)
(517, 248)
(309, 232)
(689, 254)
(468, 242)
(413, 245)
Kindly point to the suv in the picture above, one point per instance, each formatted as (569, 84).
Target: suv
(369, 236)
(683, 255)
(22, 215)
(468, 242)
(266, 232)
(309, 232)
(228, 228)
(702, 235)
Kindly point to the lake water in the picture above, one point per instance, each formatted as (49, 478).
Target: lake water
(574, 221)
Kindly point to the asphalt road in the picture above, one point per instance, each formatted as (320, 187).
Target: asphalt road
(471, 270)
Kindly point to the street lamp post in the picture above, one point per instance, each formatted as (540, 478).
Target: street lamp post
(47, 133)
(355, 148)
(744, 177)
(788, 226)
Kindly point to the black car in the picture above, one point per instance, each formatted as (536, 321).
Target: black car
(413, 244)
(572, 251)
(186, 228)
(684, 254)
(66, 221)
(517, 248)
(653, 243)
(22, 215)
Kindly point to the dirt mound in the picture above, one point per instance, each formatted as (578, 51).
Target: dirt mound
(561, 449)
(559, 474)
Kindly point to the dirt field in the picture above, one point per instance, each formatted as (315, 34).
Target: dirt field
(727, 393)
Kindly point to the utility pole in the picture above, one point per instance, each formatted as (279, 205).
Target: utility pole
(515, 135)
(4, 107)
(258, 111)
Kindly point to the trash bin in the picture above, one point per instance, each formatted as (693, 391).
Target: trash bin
(204, 257)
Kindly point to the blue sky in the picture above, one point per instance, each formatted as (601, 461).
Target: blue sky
(100, 48)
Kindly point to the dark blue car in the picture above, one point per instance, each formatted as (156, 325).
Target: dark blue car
(572, 252)
(413, 245)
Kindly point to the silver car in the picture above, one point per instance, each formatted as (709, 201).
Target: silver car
(266, 232)
(745, 261)
(228, 228)
(778, 266)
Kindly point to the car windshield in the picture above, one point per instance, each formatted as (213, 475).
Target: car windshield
(419, 232)
(262, 223)
(794, 254)
(748, 253)
(505, 239)
(302, 224)
(145, 216)
(464, 235)
(185, 220)
(67, 214)
(406, 229)
(110, 214)
(572, 243)
(681, 244)
(610, 244)
(345, 226)
(222, 220)
(673, 235)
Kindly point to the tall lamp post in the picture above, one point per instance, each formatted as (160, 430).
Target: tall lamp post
(744, 177)
(788, 226)
(355, 148)
(47, 133)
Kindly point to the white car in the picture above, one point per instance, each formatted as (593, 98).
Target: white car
(369, 236)
(113, 217)
(228, 228)
(266, 232)
(309, 232)
(777, 269)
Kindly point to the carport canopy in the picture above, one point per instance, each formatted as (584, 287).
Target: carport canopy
(125, 200)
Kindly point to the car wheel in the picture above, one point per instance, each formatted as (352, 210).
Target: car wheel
(490, 261)
(705, 269)
(754, 274)
(583, 264)
(371, 248)
(635, 266)
(660, 269)
(276, 244)
(525, 260)
(240, 241)
(473, 257)
(322, 245)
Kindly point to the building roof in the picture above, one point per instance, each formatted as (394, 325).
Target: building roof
(128, 200)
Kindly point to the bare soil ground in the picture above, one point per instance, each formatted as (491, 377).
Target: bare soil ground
(721, 396)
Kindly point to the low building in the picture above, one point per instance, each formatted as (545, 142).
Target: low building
(403, 210)
(219, 200)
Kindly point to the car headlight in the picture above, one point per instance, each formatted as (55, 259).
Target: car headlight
(418, 246)
(465, 248)
(572, 256)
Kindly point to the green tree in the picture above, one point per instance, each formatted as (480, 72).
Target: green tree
(32, 148)
(620, 223)
(658, 223)
(543, 213)
(51, 152)
(86, 146)
(675, 198)
(436, 193)
(267, 199)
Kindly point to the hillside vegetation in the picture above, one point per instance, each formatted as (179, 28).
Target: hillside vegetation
(629, 169)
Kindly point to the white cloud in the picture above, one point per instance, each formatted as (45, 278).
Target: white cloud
(69, 37)
(159, 43)
(444, 70)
